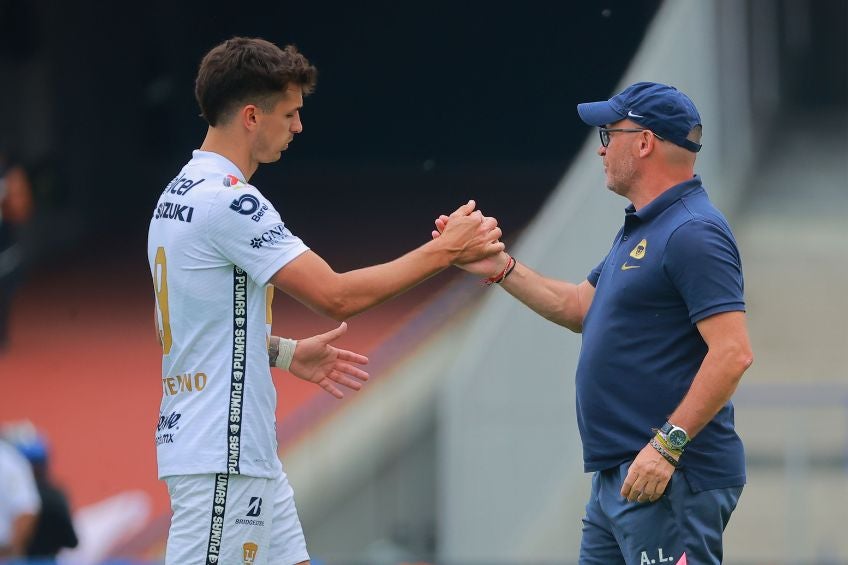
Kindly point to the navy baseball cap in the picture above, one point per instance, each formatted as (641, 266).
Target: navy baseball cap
(658, 107)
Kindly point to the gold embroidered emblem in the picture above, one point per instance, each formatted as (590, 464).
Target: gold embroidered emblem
(639, 251)
(250, 550)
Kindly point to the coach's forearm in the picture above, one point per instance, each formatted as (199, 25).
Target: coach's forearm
(554, 300)
(712, 387)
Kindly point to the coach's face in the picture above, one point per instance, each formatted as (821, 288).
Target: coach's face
(620, 161)
(278, 127)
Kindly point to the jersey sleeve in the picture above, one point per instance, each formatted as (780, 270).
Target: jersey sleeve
(246, 229)
(703, 263)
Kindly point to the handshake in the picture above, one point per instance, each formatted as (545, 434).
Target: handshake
(472, 240)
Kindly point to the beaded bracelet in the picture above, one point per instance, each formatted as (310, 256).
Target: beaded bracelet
(666, 455)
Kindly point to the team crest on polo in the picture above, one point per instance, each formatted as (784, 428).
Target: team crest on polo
(639, 251)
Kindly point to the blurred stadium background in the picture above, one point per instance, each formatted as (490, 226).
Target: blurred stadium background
(463, 450)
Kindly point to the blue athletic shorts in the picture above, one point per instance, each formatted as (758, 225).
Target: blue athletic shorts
(618, 532)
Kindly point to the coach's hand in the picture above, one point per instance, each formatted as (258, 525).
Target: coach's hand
(316, 361)
(470, 235)
(647, 477)
(486, 267)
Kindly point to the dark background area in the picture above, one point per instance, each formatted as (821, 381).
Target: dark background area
(419, 106)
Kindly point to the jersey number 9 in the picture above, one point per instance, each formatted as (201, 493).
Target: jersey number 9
(160, 285)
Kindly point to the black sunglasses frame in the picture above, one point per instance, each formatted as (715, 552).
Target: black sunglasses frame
(605, 137)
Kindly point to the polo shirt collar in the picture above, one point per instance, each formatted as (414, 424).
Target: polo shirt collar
(666, 199)
(219, 162)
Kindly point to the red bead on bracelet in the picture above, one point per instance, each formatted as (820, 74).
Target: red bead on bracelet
(497, 279)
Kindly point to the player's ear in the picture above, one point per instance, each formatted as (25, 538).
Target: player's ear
(248, 116)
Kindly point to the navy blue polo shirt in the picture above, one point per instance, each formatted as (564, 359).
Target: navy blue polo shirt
(672, 264)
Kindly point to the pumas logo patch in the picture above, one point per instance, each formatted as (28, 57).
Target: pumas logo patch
(249, 551)
(637, 253)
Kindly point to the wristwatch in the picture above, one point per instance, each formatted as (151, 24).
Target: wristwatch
(676, 436)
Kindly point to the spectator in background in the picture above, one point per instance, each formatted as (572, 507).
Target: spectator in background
(54, 528)
(19, 502)
(15, 210)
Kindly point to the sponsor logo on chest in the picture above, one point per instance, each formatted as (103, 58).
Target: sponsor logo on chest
(173, 211)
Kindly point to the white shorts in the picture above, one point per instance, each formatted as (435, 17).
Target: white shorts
(233, 520)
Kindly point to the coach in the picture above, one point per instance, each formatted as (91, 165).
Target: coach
(664, 342)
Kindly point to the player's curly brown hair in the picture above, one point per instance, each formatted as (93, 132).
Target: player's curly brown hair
(248, 70)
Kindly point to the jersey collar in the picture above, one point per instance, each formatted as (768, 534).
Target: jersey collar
(219, 162)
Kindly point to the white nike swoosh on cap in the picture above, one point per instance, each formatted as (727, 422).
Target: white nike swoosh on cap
(631, 114)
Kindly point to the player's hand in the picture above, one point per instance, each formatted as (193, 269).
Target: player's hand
(441, 223)
(487, 267)
(647, 477)
(469, 235)
(316, 361)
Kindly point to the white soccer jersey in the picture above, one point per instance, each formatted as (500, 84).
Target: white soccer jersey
(214, 243)
(18, 492)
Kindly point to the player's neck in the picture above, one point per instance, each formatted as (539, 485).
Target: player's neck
(223, 143)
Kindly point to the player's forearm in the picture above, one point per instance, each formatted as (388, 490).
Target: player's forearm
(361, 289)
(715, 383)
(281, 352)
(23, 527)
(554, 300)
(273, 350)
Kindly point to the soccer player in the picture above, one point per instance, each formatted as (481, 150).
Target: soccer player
(217, 248)
(665, 342)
